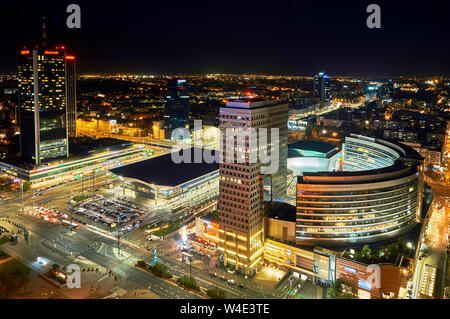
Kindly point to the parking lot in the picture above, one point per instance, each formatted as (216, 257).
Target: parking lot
(107, 213)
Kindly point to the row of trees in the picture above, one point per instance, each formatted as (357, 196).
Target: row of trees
(386, 253)
(188, 282)
(173, 226)
(158, 269)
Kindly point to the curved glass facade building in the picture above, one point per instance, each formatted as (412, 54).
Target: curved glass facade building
(377, 194)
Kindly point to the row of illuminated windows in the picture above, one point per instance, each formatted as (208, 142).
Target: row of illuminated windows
(354, 214)
(301, 211)
(344, 235)
(331, 193)
(397, 213)
(359, 204)
(320, 197)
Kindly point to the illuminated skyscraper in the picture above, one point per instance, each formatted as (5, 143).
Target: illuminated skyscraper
(322, 86)
(43, 102)
(71, 89)
(241, 185)
(176, 110)
(446, 147)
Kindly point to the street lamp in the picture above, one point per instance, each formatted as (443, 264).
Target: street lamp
(118, 235)
(82, 185)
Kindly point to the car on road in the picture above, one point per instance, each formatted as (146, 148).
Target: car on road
(241, 286)
(213, 274)
(231, 282)
(223, 278)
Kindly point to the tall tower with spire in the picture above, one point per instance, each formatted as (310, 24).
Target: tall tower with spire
(44, 33)
(43, 101)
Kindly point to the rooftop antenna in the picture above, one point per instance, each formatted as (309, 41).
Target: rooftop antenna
(44, 33)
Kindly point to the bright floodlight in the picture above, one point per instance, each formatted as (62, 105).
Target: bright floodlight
(183, 234)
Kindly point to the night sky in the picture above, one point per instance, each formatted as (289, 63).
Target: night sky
(296, 37)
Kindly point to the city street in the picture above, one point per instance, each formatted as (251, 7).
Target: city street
(433, 252)
(101, 249)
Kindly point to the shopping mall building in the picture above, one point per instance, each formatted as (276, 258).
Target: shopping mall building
(376, 195)
(113, 153)
(368, 191)
(178, 187)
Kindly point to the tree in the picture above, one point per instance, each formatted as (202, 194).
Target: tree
(340, 290)
(216, 214)
(145, 132)
(366, 252)
(308, 132)
(216, 293)
(160, 270)
(26, 186)
(141, 263)
(188, 282)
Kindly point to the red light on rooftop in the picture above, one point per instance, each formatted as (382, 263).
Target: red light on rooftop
(63, 47)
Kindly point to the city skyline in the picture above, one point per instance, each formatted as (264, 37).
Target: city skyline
(160, 153)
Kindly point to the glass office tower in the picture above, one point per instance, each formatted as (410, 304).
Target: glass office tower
(176, 110)
(42, 94)
(322, 86)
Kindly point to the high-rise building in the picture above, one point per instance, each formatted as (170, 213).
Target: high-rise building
(176, 110)
(241, 191)
(446, 147)
(322, 86)
(71, 96)
(43, 102)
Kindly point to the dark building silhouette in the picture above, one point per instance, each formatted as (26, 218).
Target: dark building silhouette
(176, 111)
